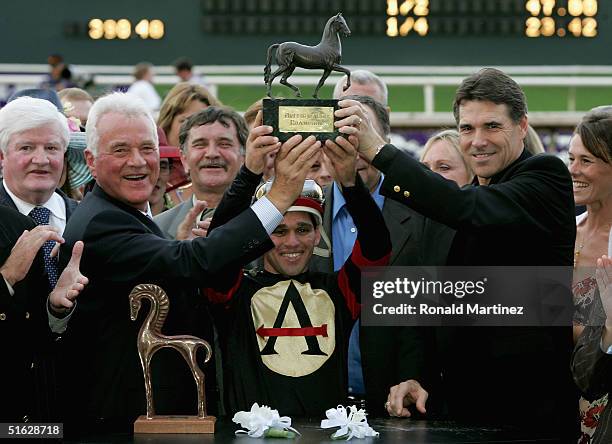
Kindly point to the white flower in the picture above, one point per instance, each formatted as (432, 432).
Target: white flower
(352, 424)
(261, 419)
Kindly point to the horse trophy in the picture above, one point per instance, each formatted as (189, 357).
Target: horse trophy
(150, 340)
(308, 116)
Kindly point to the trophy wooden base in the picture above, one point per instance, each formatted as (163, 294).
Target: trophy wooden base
(175, 424)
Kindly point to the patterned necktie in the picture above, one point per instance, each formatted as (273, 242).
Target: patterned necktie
(41, 217)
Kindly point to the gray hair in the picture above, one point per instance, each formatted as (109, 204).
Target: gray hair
(120, 103)
(26, 113)
(364, 77)
(212, 114)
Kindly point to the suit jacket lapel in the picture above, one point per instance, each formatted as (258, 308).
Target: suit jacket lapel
(327, 210)
(5, 199)
(69, 204)
(145, 220)
(320, 261)
(151, 225)
(180, 215)
(396, 217)
(327, 226)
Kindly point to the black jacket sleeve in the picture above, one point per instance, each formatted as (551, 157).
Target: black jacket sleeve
(122, 245)
(237, 197)
(373, 245)
(528, 199)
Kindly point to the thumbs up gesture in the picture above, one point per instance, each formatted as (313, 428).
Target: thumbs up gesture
(70, 283)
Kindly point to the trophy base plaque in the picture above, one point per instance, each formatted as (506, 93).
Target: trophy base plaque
(175, 424)
(301, 116)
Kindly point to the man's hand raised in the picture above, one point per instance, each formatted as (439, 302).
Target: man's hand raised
(70, 283)
(354, 121)
(342, 155)
(292, 165)
(191, 227)
(260, 144)
(19, 262)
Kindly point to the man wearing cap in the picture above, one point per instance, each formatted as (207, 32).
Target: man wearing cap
(124, 248)
(212, 144)
(171, 174)
(284, 330)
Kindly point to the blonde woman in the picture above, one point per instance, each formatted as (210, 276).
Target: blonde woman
(443, 156)
(183, 100)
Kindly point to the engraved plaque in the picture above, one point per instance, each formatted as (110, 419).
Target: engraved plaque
(315, 119)
(306, 117)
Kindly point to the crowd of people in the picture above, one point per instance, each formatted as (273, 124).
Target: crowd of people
(260, 244)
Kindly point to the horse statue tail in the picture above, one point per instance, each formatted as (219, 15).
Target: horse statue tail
(268, 69)
(201, 343)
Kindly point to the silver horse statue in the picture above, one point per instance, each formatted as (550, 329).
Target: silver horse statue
(150, 340)
(326, 56)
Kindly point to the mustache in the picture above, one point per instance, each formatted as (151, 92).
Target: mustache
(213, 164)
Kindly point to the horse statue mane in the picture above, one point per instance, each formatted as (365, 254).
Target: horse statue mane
(150, 340)
(326, 56)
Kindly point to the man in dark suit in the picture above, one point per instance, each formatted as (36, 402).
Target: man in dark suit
(124, 247)
(405, 227)
(519, 211)
(24, 328)
(33, 140)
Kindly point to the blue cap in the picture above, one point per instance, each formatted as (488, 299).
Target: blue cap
(39, 93)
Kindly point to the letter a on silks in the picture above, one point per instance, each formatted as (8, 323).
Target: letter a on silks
(295, 327)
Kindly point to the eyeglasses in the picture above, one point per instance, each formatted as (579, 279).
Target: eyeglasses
(165, 166)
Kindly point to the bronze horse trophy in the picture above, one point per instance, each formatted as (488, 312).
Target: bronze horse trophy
(326, 56)
(151, 340)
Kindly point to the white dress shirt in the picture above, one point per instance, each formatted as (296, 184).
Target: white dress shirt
(57, 218)
(55, 205)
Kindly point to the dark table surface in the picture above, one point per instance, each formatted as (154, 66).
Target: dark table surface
(391, 431)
